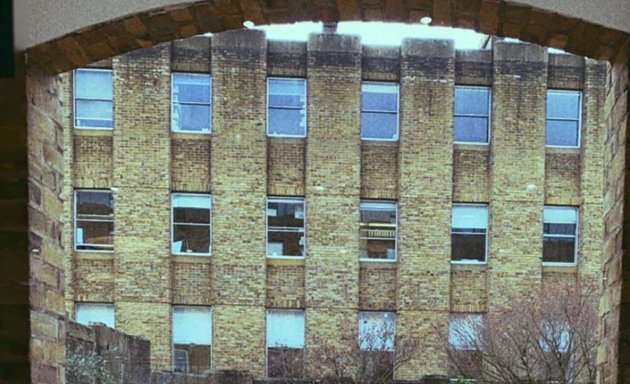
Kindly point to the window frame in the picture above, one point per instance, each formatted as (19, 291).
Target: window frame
(74, 99)
(268, 312)
(173, 102)
(396, 225)
(390, 83)
(102, 305)
(106, 248)
(579, 118)
(472, 261)
(173, 308)
(575, 237)
(284, 200)
(488, 117)
(209, 253)
(268, 107)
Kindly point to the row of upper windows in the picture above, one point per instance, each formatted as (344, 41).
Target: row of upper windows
(191, 108)
(191, 228)
(285, 329)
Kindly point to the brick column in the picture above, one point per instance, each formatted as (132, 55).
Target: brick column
(517, 172)
(239, 182)
(426, 174)
(332, 188)
(141, 197)
(591, 228)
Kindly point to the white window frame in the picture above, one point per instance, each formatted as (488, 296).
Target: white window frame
(174, 309)
(386, 83)
(108, 308)
(465, 319)
(390, 344)
(472, 261)
(575, 237)
(175, 103)
(173, 223)
(579, 119)
(269, 313)
(489, 116)
(377, 202)
(277, 199)
(289, 79)
(106, 248)
(74, 99)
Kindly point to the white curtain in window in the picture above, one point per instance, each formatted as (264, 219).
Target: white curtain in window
(192, 325)
(285, 328)
(377, 331)
(470, 216)
(560, 215)
(192, 201)
(462, 330)
(87, 313)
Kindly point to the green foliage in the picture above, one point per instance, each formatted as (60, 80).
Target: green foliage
(87, 368)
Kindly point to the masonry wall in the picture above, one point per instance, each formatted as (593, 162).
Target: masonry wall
(333, 170)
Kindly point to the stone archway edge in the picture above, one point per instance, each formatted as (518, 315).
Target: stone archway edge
(492, 17)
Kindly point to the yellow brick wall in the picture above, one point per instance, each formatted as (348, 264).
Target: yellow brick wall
(190, 163)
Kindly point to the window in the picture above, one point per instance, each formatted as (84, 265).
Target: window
(86, 313)
(285, 227)
(94, 220)
(190, 224)
(560, 235)
(285, 343)
(464, 330)
(563, 118)
(471, 118)
(286, 107)
(379, 111)
(192, 339)
(93, 95)
(191, 102)
(377, 331)
(377, 231)
(469, 224)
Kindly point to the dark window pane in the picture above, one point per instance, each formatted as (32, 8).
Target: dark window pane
(468, 247)
(378, 216)
(379, 125)
(562, 133)
(370, 248)
(280, 243)
(377, 366)
(379, 101)
(558, 229)
(563, 105)
(94, 235)
(559, 250)
(191, 358)
(94, 203)
(471, 101)
(191, 215)
(290, 122)
(285, 362)
(470, 129)
(191, 238)
(194, 117)
(281, 214)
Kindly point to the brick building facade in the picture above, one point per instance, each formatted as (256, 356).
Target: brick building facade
(417, 182)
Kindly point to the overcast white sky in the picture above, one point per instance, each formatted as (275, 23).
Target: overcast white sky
(378, 33)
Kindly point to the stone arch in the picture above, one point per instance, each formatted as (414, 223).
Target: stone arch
(115, 37)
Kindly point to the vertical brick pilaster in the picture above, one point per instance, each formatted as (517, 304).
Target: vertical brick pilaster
(239, 183)
(517, 171)
(332, 184)
(426, 174)
(141, 197)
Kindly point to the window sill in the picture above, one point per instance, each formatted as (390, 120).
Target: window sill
(560, 267)
(470, 263)
(86, 131)
(191, 135)
(371, 261)
(187, 259)
(281, 261)
(375, 139)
